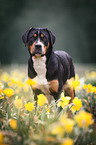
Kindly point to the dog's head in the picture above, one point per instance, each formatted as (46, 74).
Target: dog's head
(39, 40)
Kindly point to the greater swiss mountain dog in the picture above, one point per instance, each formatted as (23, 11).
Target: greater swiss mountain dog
(50, 69)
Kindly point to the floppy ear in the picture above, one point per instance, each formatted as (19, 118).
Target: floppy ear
(52, 37)
(25, 36)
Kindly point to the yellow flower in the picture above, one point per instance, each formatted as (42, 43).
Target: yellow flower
(67, 123)
(5, 77)
(14, 80)
(31, 82)
(75, 84)
(89, 88)
(91, 75)
(64, 101)
(8, 92)
(18, 103)
(68, 141)
(58, 130)
(1, 90)
(47, 109)
(29, 106)
(20, 84)
(84, 86)
(9, 84)
(17, 90)
(84, 119)
(1, 138)
(93, 90)
(77, 104)
(1, 97)
(41, 100)
(26, 88)
(13, 124)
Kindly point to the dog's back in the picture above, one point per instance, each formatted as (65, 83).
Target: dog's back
(67, 64)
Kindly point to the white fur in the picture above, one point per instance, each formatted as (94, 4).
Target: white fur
(40, 68)
(42, 45)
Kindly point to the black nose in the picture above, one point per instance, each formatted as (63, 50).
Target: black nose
(38, 46)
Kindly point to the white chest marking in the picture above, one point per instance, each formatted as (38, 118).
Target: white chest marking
(40, 68)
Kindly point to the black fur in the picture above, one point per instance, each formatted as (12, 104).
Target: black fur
(59, 63)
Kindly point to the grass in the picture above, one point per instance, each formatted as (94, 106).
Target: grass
(23, 121)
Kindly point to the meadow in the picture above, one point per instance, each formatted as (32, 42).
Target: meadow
(24, 121)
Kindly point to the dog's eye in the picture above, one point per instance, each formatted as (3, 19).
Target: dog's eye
(35, 35)
(42, 35)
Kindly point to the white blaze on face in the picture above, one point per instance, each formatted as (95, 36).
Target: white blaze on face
(42, 45)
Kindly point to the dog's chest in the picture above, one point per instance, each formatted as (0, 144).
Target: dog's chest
(39, 65)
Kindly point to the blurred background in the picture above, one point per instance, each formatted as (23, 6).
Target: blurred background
(73, 23)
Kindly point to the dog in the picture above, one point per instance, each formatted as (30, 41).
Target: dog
(50, 69)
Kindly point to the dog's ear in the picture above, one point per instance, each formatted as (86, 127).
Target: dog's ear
(52, 37)
(25, 36)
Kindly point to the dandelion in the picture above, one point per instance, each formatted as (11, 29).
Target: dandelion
(18, 103)
(64, 101)
(13, 124)
(41, 100)
(68, 141)
(84, 119)
(77, 105)
(8, 92)
(29, 106)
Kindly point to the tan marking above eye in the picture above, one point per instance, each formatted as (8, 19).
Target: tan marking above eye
(35, 35)
(42, 35)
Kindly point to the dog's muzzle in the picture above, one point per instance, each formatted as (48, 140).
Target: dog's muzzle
(38, 49)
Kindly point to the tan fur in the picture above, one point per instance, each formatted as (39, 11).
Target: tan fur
(31, 48)
(54, 84)
(46, 47)
(68, 90)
